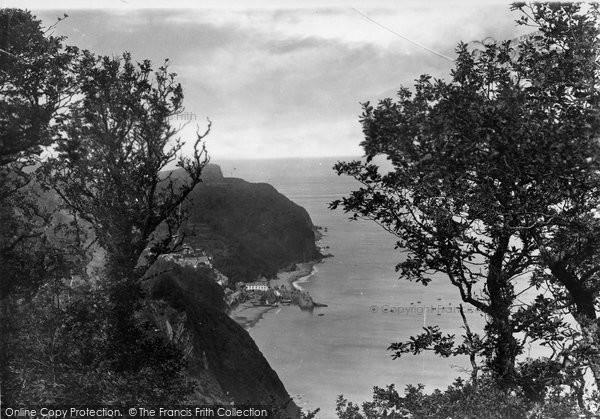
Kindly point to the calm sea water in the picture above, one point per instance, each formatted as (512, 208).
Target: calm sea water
(342, 348)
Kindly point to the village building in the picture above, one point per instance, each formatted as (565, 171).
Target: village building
(189, 257)
(257, 287)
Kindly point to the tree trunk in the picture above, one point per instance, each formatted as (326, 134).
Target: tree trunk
(506, 348)
(500, 327)
(591, 340)
(585, 314)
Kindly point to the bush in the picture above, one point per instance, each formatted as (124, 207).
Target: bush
(463, 399)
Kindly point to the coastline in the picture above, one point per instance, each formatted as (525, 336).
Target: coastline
(247, 315)
(291, 278)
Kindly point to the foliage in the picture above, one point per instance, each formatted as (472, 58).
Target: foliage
(34, 86)
(118, 140)
(107, 171)
(451, 200)
(470, 194)
(67, 338)
(564, 61)
(66, 356)
(462, 399)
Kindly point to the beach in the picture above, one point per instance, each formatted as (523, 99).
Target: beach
(247, 314)
(290, 278)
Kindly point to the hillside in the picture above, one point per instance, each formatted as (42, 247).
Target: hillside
(250, 228)
(223, 359)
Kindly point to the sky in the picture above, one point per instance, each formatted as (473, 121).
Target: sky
(281, 78)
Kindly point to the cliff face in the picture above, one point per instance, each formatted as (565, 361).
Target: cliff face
(250, 229)
(224, 361)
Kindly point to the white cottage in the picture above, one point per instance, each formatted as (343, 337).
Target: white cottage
(257, 287)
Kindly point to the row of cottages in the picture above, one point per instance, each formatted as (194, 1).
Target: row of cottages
(257, 286)
(193, 261)
(189, 257)
(195, 258)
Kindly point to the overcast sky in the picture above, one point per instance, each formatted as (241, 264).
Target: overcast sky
(281, 78)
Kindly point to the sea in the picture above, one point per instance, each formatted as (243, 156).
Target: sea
(342, 349)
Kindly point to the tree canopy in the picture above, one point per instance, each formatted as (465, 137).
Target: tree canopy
(69, 336)
(494, 184)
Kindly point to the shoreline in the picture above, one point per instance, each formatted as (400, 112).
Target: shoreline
(291, 278)
(247, 315)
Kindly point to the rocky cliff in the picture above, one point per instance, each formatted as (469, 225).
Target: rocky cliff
(250, 229)
(223, 360)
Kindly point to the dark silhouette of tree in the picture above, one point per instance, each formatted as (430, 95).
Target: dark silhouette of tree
(117, 142)
(562, 59)
(451, 199)
(110, 168)
(65, 338)
(35, 85)
(495, 179)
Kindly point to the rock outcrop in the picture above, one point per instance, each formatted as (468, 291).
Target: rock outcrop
(250, 229)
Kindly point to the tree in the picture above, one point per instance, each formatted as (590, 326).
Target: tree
(35, 84)
(108, 169)
(563, 60)
(66, 339)
(117, 142)
(451, 199)
(470, 194)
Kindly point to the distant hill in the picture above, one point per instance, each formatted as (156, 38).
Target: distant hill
(250, 229)
(212, 173)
